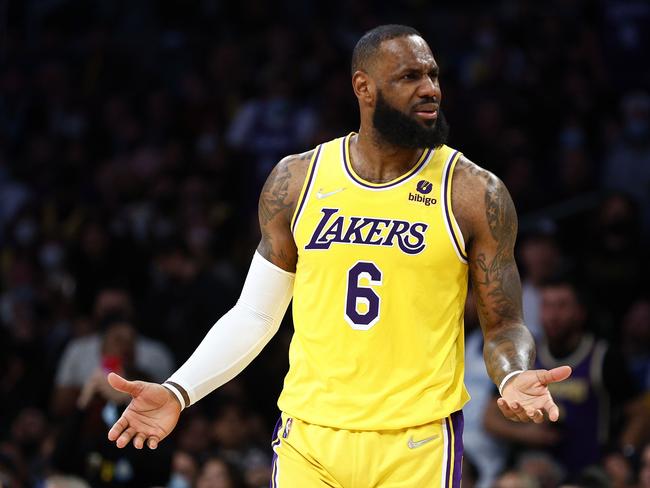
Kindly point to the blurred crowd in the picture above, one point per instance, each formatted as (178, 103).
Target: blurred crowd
(135, 137)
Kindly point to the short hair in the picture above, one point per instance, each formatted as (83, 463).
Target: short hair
(368, 45)
(568, 280)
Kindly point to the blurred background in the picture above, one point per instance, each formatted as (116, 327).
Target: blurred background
(135, 137)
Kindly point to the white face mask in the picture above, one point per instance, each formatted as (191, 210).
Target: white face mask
(178, 481)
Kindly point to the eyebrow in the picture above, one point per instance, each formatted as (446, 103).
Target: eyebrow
(406, 69)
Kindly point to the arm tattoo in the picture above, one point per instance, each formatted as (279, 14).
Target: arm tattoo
(274, 194)
(498, 276)
(275, 254)
(276, 205)
(508, 343)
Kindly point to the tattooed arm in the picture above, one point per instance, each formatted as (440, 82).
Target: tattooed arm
(277, 203)
(491, 228)
(488, 221)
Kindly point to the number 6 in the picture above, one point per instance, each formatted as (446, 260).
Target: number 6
(356, 295)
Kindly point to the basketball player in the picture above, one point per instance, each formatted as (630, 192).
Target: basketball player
(374, 235)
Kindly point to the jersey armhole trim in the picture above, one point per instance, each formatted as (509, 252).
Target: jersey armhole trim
(453, 229)
(306, 188)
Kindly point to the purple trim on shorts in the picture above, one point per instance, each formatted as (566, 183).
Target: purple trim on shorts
(304, 196)
(274, 474)
(447, 207)
(458, 424)
(448, 467)
(275, 441)
(346, 141)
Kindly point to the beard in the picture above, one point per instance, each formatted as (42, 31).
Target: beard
(399, 129)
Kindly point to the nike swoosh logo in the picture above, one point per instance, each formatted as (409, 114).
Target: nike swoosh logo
(415, 444)
(320, 194)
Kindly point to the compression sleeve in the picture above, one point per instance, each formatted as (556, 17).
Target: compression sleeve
(237, 337)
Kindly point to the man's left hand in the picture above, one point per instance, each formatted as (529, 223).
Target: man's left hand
(526, 397)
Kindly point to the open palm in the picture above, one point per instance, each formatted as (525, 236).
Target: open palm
(526, 397)
(150, 417)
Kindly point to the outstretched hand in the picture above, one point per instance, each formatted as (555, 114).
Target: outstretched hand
(150, 417)
(526, 397)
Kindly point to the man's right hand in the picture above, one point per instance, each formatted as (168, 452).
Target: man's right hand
(150, 417)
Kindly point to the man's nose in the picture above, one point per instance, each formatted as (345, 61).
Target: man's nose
(429, 88)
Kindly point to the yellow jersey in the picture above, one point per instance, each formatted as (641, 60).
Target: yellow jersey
(378, 297)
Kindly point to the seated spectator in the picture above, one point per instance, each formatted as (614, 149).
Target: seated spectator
(596, 402)
(618, 470)
(28, 433)
(233, 435)
(541, 259)
(84, 355)
(185, 470)
(217, 473)
(82, 447)
(193, 434)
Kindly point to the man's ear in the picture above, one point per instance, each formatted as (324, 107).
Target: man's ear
(364, 87)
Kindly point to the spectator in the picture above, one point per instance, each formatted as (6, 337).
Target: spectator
(541, 259)
(627, 167)
(84, 355)
(83, 448)
(597, 402)
(270, 127)
(185, 470)
(217, 473)
(185, 299)
(232, 434)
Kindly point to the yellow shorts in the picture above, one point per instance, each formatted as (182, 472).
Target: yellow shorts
(310, 456)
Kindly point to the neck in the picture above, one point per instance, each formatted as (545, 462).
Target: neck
(376, 160)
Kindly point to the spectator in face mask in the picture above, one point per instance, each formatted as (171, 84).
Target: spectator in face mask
(184, 470)
(82, 447)
(82, 356)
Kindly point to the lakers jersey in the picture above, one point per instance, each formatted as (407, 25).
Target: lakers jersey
(378, 296)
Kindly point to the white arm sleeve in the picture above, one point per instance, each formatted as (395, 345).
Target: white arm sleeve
(240, 335)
